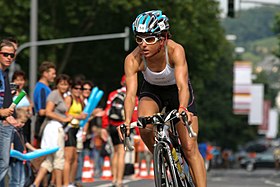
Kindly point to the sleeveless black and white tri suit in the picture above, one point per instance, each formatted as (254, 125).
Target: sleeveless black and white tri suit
(162, 88)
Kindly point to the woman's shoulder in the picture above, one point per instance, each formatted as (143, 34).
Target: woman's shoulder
(135, 55)
(134, 59)
(53, 95)
(54, 92)
(175, 49)
(174, 46)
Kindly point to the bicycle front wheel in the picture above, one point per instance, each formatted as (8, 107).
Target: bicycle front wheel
(165, 174)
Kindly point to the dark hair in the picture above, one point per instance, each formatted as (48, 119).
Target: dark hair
(62, 77)
(45, 66)
(79, 78)
(11, 39)
(166, 34)
(17, 74)
(76, 82)
(87, 82)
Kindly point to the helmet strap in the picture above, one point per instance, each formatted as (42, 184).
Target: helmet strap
(166, 38)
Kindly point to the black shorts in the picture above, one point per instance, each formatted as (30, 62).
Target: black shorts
(114, 135)
(166, 96)
(72, 139)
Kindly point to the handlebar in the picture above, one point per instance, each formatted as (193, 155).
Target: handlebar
(158, 118)
(155, 119)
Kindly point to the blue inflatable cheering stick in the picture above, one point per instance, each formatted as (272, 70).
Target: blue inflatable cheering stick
(32, 155)
(93, 100)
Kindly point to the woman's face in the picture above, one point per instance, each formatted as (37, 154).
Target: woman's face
(20, 82)
(86, 90)
(63, 86)
(149, 45)
(76, 90)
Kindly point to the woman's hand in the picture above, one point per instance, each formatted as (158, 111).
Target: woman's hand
(82, 116)
(68, 119)
(189, 114)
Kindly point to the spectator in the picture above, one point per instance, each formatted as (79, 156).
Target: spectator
(41, 91)
(75, 104)
(119, 153)
(276, 154)
(25, 105)
(144, 154)
(86, 134)
(86, 90)
(17, 167)
(100, 138)
(225, 157)
(202, 147)
(7, 120)
(53, 134)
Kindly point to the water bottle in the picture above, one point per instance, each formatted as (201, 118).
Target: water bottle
(182, 175)
(176, 159)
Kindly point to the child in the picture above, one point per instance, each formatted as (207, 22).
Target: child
(19, 143)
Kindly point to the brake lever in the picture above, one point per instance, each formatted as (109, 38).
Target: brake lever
(189, 127)
(126, 141)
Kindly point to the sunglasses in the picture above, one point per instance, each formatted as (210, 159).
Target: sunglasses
(89, 89)
(149, 40)
(12, 55)
(77, 88)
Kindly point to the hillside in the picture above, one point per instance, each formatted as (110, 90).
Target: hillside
(252, 24)
(254, 31)
(258, 49)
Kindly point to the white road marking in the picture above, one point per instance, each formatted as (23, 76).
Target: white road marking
(271, 183)
(126, 181)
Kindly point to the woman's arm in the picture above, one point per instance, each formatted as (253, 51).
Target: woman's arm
(52, 115)
(182, 78)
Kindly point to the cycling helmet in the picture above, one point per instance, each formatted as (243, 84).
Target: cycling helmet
(152, 22)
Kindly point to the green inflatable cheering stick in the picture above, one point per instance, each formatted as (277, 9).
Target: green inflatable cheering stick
(18, 99)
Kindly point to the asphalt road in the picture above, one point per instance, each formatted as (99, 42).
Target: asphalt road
(243, 178)
(215, 178)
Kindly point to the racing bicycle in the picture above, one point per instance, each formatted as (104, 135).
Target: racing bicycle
(170, 162)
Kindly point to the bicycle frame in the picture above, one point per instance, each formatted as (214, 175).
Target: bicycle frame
(166, 145)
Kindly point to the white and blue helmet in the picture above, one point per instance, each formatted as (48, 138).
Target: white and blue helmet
(151, 22)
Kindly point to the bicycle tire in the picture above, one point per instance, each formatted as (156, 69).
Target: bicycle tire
(164, 167)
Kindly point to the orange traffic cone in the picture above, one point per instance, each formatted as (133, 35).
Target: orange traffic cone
(87, 175)
(143, 170)
(136, 169)
(151, 173)
(106, 170)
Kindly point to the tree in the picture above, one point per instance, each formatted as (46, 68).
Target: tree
(194, 24)
(276, 28)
